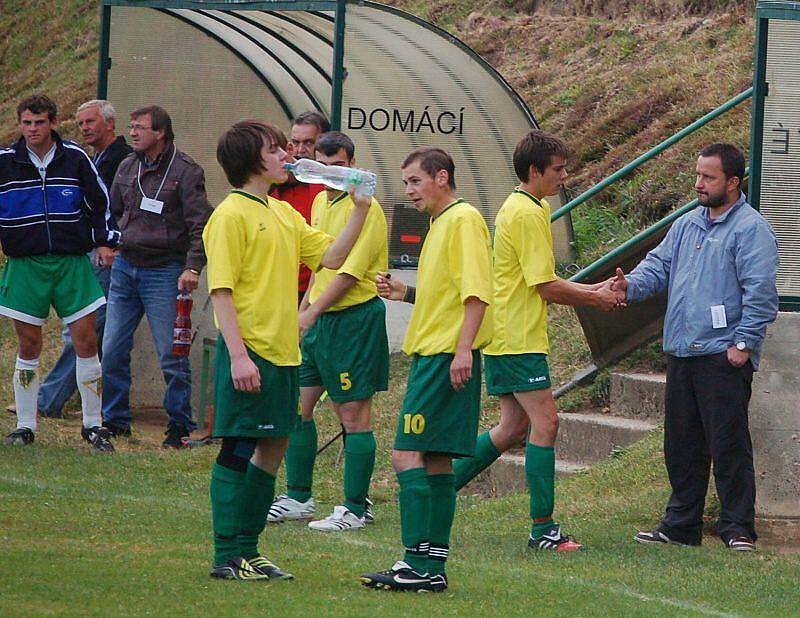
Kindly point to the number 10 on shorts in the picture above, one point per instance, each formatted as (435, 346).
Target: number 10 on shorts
(413, 423)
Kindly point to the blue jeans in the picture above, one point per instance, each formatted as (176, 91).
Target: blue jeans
(136, 291)
(60, 383)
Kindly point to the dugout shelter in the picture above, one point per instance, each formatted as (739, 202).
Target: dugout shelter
(390, 80)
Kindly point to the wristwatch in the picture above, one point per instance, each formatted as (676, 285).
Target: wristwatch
(741, 346)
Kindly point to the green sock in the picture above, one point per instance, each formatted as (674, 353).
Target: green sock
(415, 502)
(467, 468)
(226, 511)
(257, 495)
(540, 468)
(359, 461)
(443, 510)
(300, 458)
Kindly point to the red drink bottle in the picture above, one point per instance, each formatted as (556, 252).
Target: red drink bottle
(182, 331)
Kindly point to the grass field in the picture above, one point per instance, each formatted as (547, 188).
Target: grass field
(129, 534)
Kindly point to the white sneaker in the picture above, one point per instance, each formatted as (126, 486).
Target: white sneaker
(285, 508)
(342, 518)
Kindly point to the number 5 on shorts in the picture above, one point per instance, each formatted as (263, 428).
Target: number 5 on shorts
(413, 423)
(344, 378)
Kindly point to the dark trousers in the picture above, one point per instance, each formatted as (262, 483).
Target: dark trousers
(706, 420)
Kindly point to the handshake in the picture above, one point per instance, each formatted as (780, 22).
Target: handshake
(612, 293)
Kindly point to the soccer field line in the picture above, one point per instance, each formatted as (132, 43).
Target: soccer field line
(581, 581)
(350, 539)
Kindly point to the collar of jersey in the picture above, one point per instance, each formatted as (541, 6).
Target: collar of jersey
(338, 199)
(250, 196)
(535, 199)
(458, 201)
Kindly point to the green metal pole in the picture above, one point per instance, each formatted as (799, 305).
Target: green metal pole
(656, 150)
(757, 121)
(104, 61)
(614, 254)
(338, 66)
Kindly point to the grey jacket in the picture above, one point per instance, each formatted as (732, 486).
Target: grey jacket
(151, 239)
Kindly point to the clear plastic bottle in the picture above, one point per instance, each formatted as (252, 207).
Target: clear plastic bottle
(334, 176)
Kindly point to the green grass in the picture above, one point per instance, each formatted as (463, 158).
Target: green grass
(129, 534)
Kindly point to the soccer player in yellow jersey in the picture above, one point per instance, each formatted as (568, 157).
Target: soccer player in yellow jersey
(345, 351)
(254, 247)
(516, 360)
(448, 327)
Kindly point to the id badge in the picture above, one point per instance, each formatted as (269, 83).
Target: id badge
(151, 205)
(718, 318)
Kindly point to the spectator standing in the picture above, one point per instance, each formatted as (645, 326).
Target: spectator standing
(159, 198)
(718, 264)
(53, 210)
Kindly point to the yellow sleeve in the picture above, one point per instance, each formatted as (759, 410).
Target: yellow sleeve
(313, 242)
(372, 238)
(529, 237)
(225, 241)
(470, 259)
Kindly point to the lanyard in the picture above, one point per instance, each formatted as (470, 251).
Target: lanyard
(163, 180)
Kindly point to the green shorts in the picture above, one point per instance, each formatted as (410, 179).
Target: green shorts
(513, 373)
(270, 413)
(30, 285)
(347, 352)
(435, 418)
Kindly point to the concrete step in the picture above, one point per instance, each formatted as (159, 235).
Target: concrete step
(638, 395)
(507, 475)
(591, 437)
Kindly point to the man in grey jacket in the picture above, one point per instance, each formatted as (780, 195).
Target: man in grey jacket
(159, 199)
(719, 264)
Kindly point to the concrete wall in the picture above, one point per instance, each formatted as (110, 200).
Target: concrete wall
(775, 422)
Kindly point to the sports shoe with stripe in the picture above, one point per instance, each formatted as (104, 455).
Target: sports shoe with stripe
(341, 519)
(400, 577)
(369, 514)
(656, 537)
(261, 565)
(19, 437)
(553, 540)
(99, 438)
(437, 583)
(237, 568)
(741, 543)
(285, 508)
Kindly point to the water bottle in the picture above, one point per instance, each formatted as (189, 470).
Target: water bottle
(182, 329)
(333, 176)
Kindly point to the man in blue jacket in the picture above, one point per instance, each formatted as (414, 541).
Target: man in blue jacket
(719, 264)
(53, 210)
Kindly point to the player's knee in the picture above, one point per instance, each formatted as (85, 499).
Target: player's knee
(405, 460)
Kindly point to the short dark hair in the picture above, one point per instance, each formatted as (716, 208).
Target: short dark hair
(731, 157)
(315, 118)
(332, 142)
(537, 148)
(158, 117)
(239, 149)
(36, 104)
(432, 161)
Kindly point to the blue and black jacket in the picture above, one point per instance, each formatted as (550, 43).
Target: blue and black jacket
(67, 212)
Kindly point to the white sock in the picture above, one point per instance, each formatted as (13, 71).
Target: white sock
(26, 391)
(87, 375)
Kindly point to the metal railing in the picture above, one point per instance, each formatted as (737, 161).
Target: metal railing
(653, 152)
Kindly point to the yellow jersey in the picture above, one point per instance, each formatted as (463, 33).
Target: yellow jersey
(454, 265)
(369, 255)
(523, 258)
(254, 248)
